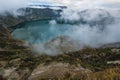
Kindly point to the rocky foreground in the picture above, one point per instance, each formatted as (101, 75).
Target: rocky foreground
(17, 62)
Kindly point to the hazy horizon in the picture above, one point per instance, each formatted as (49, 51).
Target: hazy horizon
(15, 4)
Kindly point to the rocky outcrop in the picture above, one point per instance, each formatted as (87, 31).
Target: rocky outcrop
(57, 71)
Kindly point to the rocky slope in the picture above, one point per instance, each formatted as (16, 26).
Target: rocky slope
(11, 58)
(86, 64)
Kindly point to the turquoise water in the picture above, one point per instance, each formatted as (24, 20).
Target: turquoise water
(40, 31)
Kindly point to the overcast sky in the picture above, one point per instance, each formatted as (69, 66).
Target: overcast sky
(100, 3)
(14, 4)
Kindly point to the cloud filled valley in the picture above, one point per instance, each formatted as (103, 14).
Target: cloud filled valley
(80, 4)
(93, 25)
(88, 28)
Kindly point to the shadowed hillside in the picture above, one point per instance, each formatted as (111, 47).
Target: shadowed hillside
(13, 54)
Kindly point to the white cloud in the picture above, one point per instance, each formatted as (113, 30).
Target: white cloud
(10, 5)
(15, 4)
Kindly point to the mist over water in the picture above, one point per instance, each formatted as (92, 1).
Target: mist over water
(40, 35)
(90, 23)
(41, 31)
(93, 32)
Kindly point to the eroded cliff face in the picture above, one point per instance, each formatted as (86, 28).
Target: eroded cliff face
(27, 14)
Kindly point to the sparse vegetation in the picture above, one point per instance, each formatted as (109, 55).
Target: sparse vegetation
(14, 54)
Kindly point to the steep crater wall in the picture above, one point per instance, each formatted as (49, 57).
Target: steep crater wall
(27, 14)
